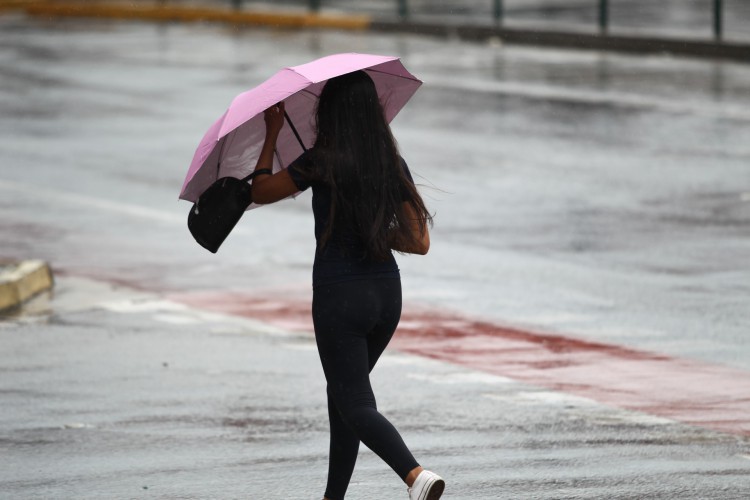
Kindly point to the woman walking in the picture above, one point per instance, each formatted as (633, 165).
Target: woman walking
(365, 205)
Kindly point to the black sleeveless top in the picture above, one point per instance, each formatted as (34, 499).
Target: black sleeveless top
(342, 258)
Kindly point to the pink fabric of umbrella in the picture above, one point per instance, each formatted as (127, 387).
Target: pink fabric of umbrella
(232, 145)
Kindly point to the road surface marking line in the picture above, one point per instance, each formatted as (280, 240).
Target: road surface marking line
(89, 201)
(688, 391)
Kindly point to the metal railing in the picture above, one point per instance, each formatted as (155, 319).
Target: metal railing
(498, 12)
(718, 17)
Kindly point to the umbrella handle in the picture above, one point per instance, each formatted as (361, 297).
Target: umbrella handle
(294, 129)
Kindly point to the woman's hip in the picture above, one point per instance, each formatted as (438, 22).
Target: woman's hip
(357, 305)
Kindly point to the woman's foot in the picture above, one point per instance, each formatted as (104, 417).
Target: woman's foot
(427, 486)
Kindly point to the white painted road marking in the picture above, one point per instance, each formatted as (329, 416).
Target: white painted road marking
(36, 191)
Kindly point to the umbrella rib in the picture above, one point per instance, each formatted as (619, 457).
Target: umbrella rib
(393, 74)
(308, 92)
(224, 145)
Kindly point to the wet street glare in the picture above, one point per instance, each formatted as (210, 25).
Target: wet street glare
(599, 198)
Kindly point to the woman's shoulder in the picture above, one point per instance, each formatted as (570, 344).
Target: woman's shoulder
(405, 168)
(302, 161)
(302, 170)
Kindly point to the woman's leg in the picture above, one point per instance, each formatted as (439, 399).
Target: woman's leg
(342, 454)
(380, 336)
(353, 324)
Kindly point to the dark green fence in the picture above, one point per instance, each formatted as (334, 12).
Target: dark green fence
(498, 11)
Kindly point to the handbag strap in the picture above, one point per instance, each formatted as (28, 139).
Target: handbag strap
(268, 171)
(262, 171)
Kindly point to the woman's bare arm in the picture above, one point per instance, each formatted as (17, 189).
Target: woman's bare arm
(272, 188)
(419, 229)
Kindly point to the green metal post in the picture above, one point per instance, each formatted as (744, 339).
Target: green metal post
(718, 19)
(314, 5)
(403, 9)
(603, 16)
(237, 4)
(498, 11)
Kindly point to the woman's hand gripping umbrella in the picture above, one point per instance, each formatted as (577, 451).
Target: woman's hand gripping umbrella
(272, 188)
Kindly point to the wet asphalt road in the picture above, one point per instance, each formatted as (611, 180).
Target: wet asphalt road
(599, 196)
(117, 394)
(579, 193)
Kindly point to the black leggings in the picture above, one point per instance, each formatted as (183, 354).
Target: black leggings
(354, 321)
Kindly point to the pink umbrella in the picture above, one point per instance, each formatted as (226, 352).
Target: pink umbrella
(232, 145)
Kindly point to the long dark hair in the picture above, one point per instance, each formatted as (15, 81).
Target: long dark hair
(356, 155)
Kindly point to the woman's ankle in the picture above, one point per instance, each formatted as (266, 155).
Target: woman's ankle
(412, 475)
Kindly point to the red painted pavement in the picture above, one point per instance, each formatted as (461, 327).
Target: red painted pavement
(693, 392)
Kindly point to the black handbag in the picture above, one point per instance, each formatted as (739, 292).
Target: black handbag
(219, 208)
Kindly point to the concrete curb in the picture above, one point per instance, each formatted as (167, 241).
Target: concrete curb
(196, 14)
(19, 281)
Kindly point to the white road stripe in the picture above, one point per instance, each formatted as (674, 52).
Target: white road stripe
(89, 201)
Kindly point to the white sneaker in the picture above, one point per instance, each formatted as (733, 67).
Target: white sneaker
(427, 486)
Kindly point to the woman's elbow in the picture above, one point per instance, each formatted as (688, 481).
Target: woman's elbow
(424, 245)
(260, 195)
(258, 199)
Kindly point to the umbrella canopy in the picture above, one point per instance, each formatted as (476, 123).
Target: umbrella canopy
(231, 146)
